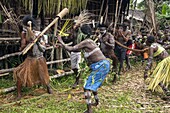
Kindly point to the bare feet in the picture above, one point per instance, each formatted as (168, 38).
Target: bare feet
(18, 98)
(95, 104)
(74, 85)
(49, 90)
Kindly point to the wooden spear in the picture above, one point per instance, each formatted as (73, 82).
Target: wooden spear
(60, 15)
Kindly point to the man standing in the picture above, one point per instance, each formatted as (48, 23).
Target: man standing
(122, 36)
(107, 45)
(34, 68)
(77, 36)
(97, 62)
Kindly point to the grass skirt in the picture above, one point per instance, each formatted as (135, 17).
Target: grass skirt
(161, 74)
(32, 71)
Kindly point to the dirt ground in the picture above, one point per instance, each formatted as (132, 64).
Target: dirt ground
(130, 83)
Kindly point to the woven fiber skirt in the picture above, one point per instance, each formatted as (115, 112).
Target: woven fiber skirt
(161, 74)
(32, 71)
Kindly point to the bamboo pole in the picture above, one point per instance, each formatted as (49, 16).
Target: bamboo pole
(131, 24)
(151, 7)
(115, 22)
(10, 39)
(101, 10)
(48, 63)
(63, 74)
(60, 15)
(106, 15)
(19, 53)
(11, 18)
(6, 70)
(1, 75)
(9, 55)
(58, 61)
(6, 90)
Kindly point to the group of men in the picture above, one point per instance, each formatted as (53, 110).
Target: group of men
(34, 69)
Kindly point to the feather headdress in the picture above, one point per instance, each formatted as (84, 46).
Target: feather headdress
(83, 18)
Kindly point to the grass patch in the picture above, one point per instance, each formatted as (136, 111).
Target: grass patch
(125, 96)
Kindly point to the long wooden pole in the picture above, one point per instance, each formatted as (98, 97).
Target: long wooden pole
(60, 15)
(115, 22)
(131, 23)
(2, 71)
(101, 10)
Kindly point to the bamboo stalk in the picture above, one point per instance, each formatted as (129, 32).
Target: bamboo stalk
(10, 39)
(10, 17)
(48, 63)
(133, 15)
(6, 90)
(58, 61)
(4, 74)
(106, 15)
(9, 55)
(101, 9)
(6, 70)
(19, 53)
(61, 14)
(63, 74)
(115, 23)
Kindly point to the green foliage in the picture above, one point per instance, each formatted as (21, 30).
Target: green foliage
(141, 5)
(124, 96)
(6, 82)
(164, 9)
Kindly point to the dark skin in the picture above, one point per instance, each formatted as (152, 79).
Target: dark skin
(107, 46)
(73, 37)
(24, 43)
(87, 45)
(150, 59)
(122, 36)
(162, 56)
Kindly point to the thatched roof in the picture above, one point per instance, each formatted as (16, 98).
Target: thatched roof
(138, 15)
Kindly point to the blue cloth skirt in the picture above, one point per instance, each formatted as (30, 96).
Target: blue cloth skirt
(99, 71)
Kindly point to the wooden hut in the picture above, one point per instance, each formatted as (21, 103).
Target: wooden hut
(45, 10)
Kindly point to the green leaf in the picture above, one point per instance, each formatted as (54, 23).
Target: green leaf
(164, 9)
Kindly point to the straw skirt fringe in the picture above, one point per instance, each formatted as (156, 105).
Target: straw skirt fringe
(161, 74)
(32, 71)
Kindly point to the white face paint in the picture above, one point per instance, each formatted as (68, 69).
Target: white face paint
(103, 32)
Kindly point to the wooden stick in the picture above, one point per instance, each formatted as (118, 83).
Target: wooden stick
(115, 23)
(1, 75)
(61, 14)
(10, 39)
(101, 10)
(6, 70)
(135, 50)
(63, 74)
(11, 69)
(9, 55)
(133, 15)
(58, 61)
(6, 90)
(19, 53)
